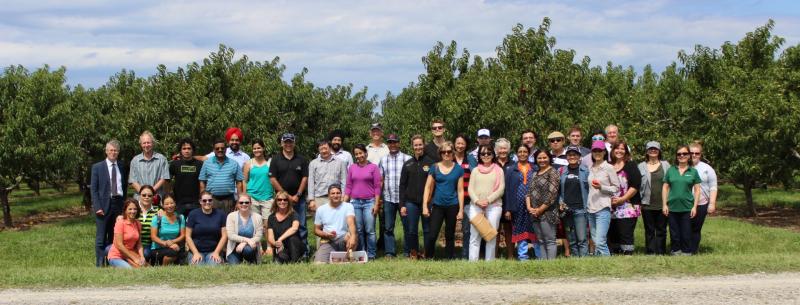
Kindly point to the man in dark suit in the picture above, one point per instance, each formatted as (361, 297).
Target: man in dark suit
(108, 194)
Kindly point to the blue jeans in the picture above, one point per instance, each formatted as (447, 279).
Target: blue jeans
(300, 209)
(575, 227)
(119, 263)
(390, 211)
(365, 225)
(206, 259)
(598, 224)
(248, 255)
(411, 229)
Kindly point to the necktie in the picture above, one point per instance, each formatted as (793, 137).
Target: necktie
(114, 190)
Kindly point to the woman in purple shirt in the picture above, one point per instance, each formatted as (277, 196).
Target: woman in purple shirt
(363, 191)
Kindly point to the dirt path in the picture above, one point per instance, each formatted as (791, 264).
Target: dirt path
(737, 289)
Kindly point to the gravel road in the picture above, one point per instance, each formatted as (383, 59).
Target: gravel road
(737, 289)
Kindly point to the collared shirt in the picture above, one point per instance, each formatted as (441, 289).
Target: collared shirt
(391, 166)
(148, 172)
(559, 160)
(709, 181)
(119, 176)
(221, 178)
(289, 172)
(374, 154)
(240, 156)
(345, 157)
(322, 174)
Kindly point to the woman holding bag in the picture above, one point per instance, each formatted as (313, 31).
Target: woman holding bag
(486, 185)
(541, 203)
(126, 251)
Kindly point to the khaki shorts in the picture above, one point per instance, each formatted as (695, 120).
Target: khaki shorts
(262, 208)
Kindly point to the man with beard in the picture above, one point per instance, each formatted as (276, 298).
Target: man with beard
(336, 139)
(234, 138)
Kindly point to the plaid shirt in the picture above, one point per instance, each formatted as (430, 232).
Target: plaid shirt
(391, 166)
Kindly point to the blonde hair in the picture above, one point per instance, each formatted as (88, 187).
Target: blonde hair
(274, 207)
(446, 144)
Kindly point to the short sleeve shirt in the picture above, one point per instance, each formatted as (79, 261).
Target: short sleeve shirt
(206, 228)
(148, 172)
(446, 191)
(167, 230)
(334, 219)
(681, 196)
(186, 186)
(280, 227)
(221, 177)
(289, 172)
(130, 237)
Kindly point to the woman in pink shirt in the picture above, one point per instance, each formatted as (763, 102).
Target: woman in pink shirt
(363, 191)
(127, 251)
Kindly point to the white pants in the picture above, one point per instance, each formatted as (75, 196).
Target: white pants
(492, 213)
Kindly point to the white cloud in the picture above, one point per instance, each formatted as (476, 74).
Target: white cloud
(369, 43)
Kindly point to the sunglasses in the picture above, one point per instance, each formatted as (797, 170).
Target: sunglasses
(598, 138)
(695, 153)
(556, 140)
(219, 148)
(437, 127)
(146, 195)
(281, 200)
(445, 152)
(683, 154)
(244, 202)
(597, 150)
(486, 154)
(206, 200)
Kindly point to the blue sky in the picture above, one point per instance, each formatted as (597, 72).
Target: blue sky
(377, 44)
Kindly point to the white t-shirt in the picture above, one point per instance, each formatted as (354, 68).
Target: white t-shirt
(334, 219)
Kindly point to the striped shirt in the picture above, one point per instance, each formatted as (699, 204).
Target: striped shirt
(221, 178)
(148, 172)
(465, 166)
(146, 219)
(391, 166)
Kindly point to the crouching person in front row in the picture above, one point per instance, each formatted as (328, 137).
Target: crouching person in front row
(335, 224)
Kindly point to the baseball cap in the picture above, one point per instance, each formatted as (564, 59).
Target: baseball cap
(484, 133)
(653, 144)
(555, 135)
(287, 137)
(598, 145)
(376, 126)
(573, 148)
(392, 138)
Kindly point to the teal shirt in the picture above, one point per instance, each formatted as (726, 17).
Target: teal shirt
(681, 195)
(167, 230)
(258, 185)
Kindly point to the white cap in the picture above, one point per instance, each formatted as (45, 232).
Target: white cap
(484, 133)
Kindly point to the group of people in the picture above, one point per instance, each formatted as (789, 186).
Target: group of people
(229, 207)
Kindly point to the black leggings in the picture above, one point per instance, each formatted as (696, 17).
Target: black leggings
(439, 214)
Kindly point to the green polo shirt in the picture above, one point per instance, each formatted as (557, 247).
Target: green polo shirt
(681, 195)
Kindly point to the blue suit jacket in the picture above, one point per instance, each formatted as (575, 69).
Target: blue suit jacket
(100, 185)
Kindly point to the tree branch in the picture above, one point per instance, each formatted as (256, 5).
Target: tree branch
(795, 153)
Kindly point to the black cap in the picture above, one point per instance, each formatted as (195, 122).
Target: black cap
(287, 137)
(392, 138)
(573, 148)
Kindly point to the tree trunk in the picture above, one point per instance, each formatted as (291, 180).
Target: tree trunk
(748, 195)
(6, 208)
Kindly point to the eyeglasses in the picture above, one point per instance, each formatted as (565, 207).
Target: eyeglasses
(556, 140)
(486, 154)
(694, 153)
(146, 195)
(244, 202)
(598, 138)
(437, 127)
(219, 148)
(445, 152)
(683, 154)
(206, 200)
(281, 200)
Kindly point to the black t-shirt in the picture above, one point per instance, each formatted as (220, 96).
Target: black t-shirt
(432, 151)
(289, 172)
(280, 227)
(572, 189)
(186, 186)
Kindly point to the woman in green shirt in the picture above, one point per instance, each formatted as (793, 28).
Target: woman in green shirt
(680, 195)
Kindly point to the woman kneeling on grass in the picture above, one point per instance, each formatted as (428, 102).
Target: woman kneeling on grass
(680, 194)
(205, 233)
(168, 233)
(126, 251)
(245, 230)
(282, 231)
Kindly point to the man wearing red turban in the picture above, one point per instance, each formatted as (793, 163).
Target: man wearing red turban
(234, 137)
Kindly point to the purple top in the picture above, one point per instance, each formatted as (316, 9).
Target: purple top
(363, 182)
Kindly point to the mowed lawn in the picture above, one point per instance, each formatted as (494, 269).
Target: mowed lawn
(61, 255)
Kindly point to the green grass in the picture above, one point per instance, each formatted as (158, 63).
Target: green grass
(24, 203)
(62, 255)
(730, 196)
